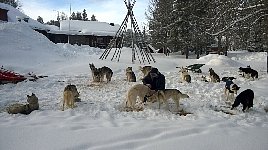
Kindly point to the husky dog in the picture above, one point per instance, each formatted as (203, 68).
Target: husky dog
(95, 73)
(138, 90)
(68, 97)
(166, 94)
(107, 72)
(130, 75)
(185, 75)
(213, 76)
(33, 102)
(245, 98)
(25, 108)
(248, 72)
(99, 73)
(225, 79)
(230, 89)
(145, 70)
(74, 90)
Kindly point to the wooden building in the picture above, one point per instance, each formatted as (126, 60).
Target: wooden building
(92, 33)
(3, 14)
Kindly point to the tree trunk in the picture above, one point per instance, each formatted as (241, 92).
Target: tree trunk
(187, 53)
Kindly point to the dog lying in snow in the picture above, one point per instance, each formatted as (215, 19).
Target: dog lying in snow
(25, 108)
(166, 94)
(245, 98)
(225, 79)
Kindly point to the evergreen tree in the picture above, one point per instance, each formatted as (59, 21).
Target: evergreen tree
(93, 18)
(159, 22)
(14, 3)
(40, 19)
(195, 24)
(53, 22)
(84, 15)
(73, 16)
(79, 16)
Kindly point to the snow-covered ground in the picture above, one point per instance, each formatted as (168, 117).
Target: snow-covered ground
(98, 123)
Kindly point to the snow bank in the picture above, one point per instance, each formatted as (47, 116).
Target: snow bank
(14, 14)
(218, 60)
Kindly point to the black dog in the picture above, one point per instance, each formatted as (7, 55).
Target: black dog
(245, 98)
(248, 71)
(225, 79)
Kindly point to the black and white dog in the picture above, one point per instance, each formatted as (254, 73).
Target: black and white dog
(245, 98)
(213, 76)
(225, 79)
(248, 72)
(230, 89)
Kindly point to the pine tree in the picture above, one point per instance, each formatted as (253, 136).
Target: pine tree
(53, 22)
(159, 22)
(14, 3)
(73, 16)
(84, 15)
(79, 16)
(40, 19)
(93, 18)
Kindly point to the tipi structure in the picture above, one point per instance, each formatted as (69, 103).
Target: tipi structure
(140, 50)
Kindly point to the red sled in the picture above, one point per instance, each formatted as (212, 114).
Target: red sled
(7, 76)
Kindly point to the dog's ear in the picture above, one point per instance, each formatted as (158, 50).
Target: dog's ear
(238, 88)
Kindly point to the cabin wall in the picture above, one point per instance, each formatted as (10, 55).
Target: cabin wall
(3, 15)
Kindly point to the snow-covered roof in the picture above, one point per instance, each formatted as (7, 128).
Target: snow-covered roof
(14, 15)
(89, 27)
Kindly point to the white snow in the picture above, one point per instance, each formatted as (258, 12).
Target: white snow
(98, 123)
(89, 27)
(14, 14)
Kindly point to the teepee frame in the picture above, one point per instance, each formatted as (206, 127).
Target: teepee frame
(140, 49)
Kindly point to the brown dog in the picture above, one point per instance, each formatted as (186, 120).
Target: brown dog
(137, 91)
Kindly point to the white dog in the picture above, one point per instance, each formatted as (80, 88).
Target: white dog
(185, 75)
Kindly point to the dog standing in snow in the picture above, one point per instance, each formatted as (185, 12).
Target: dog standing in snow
(230, 89)
(69, 95)
(138, 90)
(166, 94)
(245, 98)
(248, 72)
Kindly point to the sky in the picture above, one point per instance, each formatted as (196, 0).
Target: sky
(111, 11)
